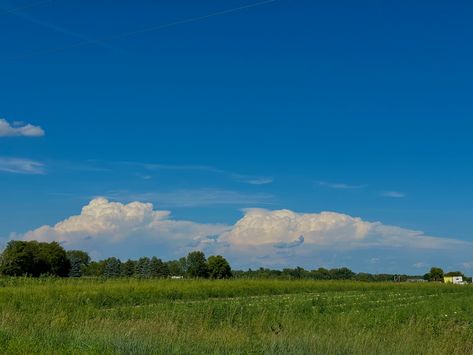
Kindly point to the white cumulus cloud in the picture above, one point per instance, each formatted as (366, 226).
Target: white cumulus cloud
(19, 129)
(283, 237)
(102, 222)
(325, 229)
(260, 238)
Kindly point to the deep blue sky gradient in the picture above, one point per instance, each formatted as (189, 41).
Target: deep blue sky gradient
(375, 95)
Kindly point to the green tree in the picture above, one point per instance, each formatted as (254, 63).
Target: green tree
(56, 258)
(95, 268)
(158, 268)
(175, 268)
(218, 267)
(112, 267)
(342, 274)
(142, 268)
(435, 274)
(321, 274)
(18, 259)
(34, 259)
(197, 264)
(297, 273)
(128, 268)
(79, 261)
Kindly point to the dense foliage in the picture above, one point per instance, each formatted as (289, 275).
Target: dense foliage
(79, 261)
(320, 274)
(219, 268)
(34, 259)
(195, 265)
(435, 274)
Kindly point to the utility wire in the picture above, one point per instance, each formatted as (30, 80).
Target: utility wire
(145, 30)
(27, 6)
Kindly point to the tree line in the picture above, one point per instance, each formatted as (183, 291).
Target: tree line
(32, 258)
(342, 273)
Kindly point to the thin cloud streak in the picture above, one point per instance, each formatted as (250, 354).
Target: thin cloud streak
(195, 197)
(339, 186)
(21, 166)
(149, 167)
(260, 181)
(393, 194)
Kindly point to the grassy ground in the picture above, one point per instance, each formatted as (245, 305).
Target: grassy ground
(233, 317)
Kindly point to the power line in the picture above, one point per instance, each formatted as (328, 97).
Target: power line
(145, 30)
(20, 8)
(51, 26)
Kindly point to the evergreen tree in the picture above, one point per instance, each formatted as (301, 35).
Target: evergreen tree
(128, 268)
(112, 267)
(158, 268)
(143, 268)
(79, 261)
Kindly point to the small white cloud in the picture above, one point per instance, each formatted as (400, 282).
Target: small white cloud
(21, 166)
(393, 194)
(19, 129)
(339, 186)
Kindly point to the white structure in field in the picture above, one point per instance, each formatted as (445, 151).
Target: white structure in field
(456, 280)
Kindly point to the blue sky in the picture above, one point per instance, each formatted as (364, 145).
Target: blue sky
(209, 108)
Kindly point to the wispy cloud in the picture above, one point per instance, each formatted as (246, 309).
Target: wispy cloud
(260, 181)
(467, 265)
(243, 178)
(195, 197)
(21, 166)
(18, 129)
(420, 265)
(393, 194)
(339, 186)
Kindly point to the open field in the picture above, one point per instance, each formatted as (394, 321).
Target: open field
(132, 316)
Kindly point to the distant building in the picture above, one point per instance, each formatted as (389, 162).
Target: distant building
(456, 280)
(177, 277)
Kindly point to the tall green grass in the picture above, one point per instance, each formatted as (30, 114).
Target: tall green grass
(130, 316)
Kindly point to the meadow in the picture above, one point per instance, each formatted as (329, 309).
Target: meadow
(132, 316)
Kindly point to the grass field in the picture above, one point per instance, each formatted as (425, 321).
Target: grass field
(132, 316)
